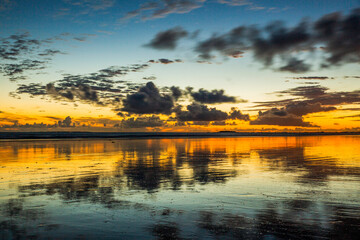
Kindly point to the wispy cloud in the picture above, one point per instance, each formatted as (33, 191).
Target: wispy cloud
(163, 8)
(20, 53)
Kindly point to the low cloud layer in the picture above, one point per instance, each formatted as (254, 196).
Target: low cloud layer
(280, 118)
(141, 122)
(309, 99)
(201, 113)
(318, 94)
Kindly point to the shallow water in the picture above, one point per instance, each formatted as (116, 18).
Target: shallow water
(209, 188)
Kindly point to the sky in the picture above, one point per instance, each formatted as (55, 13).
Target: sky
(179, 65)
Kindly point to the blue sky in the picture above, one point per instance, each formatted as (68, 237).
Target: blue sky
(95, 34)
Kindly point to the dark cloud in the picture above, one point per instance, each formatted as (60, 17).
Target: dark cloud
(341, 37)
(162, 8)
(219, 123)
(312, 99)
(303, 108)
(165, 61)
(318, 94)
(20, 53)
(312, 78)
(148, 99)
(50, 52)
(279, 117)
(17, 45)
(295, 66)
(98, 88)
(15, 71)
(228, 44)
(167, 40)
(33, 89)
(81, 91)
(199, 112)
(151, 78)
(176, 92)
(213, 97)
(141, 122)
(236, 114)
(306, 91)
(335, 37)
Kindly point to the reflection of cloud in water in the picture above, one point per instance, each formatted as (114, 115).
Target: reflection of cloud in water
(244, 188)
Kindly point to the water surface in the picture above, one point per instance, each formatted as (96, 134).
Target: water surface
(209, 188)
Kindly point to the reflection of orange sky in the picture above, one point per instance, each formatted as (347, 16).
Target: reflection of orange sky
(33, 161)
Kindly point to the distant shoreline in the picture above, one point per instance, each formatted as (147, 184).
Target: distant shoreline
(131, 135)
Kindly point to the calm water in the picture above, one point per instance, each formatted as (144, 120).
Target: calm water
(214, 188)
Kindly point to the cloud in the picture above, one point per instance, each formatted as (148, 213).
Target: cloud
(311, 78)
(17, 45)
(341, 35)
(318, 94)
(50, 52)
(351, 77)
(176, 92)
(335, 39)
(295, 66)
(279, 117)
(20, 53)
(15, 70)
(80, 91)
(306, 91)
(304, 108)
(66, 123)
(33, 89)
(84, 7)
(98, 88)
(312, 99)
(213, 97)
(165, 61)
(199, 112)
(141, 122)
(167, 40)
(235, 2)
(162, 8)
(236, 114)
(147, 100)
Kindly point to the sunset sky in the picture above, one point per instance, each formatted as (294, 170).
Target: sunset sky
(179, 65)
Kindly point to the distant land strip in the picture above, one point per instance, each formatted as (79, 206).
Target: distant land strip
(122, 135)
